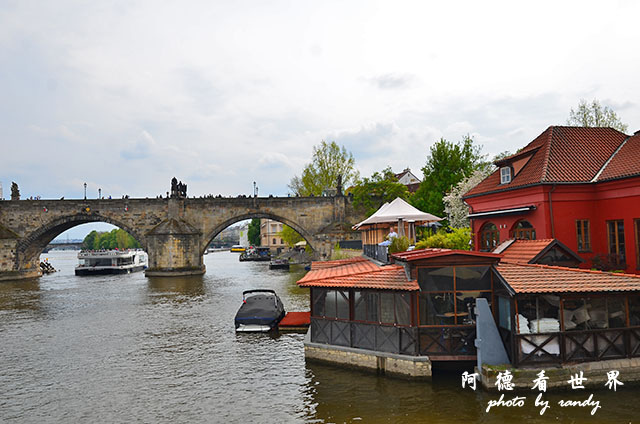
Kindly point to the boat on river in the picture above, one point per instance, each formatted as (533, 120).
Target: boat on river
(96, 262)
(279, 264)
(261, 311)
(237, 248)
(255, 254)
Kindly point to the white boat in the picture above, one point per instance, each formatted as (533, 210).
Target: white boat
(93, 262)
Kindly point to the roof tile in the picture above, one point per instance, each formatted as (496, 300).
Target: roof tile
(561, 155)
(524, 250)
(528, 278)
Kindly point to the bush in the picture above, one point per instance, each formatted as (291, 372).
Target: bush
(457, 238)
(399, 244)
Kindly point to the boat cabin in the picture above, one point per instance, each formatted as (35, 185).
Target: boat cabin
(421, 305)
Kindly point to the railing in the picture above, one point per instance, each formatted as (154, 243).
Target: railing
(577, 346)
(379, 253)
(447, 341)
(377, 337)
(453, 341)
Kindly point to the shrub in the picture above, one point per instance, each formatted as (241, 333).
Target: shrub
(399, 244)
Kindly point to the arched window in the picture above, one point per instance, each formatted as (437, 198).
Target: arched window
(489, 237)
(523, 230)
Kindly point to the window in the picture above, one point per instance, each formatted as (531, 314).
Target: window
(274, 241)
(615, 234)
(382, 307)
(330, 303)
(524, 231)
(584, 235)
(448, 294)
(637, 231)
(505, 175)
(489, 237)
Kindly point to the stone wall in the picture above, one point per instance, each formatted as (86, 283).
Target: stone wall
(385, 363)
(595, 372)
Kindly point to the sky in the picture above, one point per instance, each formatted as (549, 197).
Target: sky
(125, 95)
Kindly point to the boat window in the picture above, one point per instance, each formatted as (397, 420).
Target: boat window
(403, 308)
(634, 311)
(342, 304)
(319, 297)
(330, 304)
(387, 314)
(436, 309)
(473, 278)
(594, 313)
(504, 312)
(436, 279)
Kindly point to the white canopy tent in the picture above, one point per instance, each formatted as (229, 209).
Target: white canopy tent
(397, 211)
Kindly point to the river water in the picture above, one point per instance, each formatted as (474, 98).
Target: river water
(162, 350)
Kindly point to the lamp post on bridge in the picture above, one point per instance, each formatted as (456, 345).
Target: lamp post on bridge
(85, 191)
(99, 193)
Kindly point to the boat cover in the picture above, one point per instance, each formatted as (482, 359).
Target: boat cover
(260, 307)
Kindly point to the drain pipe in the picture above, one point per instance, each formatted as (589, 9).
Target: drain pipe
(553, 231)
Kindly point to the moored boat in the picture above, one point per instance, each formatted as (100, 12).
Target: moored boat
(237, 248)
(279, 264)
(261, 311)
(95, 262)
(256, 254)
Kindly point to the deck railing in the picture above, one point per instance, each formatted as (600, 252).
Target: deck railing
(444, 342)
(379, 253)
(577, 346)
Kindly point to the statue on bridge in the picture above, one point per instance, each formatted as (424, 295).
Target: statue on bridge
(15, 192)
(178, 189)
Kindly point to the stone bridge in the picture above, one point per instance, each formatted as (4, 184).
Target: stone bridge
(173, 231)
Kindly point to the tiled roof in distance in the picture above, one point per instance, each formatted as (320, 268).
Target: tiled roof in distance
(413, 255)
(524, 250)
(527, 278)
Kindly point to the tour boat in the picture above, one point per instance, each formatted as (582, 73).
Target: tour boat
(237, 248)
(93, 262)
(261, 311)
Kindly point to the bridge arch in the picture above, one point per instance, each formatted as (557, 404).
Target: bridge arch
(257, 214)
(31, 246)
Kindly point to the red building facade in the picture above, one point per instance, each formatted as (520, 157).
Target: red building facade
(578, 185)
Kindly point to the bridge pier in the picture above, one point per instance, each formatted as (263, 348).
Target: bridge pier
(174, 250)
(11, 265)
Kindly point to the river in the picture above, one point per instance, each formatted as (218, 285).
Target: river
(129, 348)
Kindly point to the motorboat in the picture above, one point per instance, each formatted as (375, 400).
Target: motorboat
(126, 261)
(279, 264)
(237, 248)
(261, 311)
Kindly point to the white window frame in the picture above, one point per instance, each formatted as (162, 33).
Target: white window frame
(505, 177)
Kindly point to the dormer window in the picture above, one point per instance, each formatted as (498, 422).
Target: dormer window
(505, 175)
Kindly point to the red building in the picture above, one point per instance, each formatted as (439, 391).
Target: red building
(578, 185)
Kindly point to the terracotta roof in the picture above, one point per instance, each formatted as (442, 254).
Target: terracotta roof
(524, 250)
(527, 278)
(357, 274)
(340, 262)
(436, 252)
(559, 155)
(625, 162)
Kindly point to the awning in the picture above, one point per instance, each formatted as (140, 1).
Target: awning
(501, 212)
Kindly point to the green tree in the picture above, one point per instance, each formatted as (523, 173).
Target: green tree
(447, 164)
(254, 232)
(329, 162)
(89, 240)
(290, 236)
(371, 193)
(457, 238)
(595, 115)
(114, 239)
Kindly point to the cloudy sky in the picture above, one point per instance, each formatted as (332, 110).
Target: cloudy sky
(124, 95)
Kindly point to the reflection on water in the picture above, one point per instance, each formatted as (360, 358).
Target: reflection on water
(129, 348)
